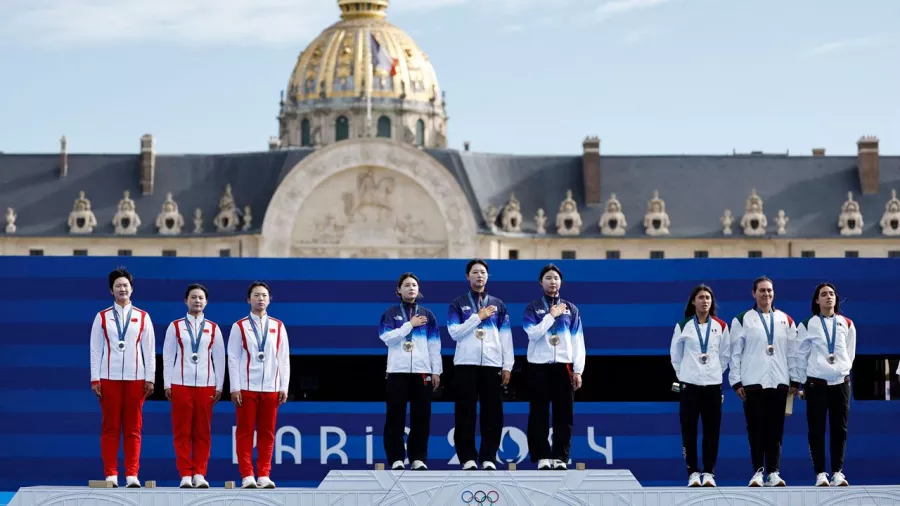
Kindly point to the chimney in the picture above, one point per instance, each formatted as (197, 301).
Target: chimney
(867, 164)
(590, 170)
(148, 163)
(274, 143)
(466, 145)
(818, 151)
(63, 157)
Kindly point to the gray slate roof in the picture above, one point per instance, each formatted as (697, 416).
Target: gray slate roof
(696, 189)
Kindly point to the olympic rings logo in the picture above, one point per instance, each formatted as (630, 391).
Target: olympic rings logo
(480, 497)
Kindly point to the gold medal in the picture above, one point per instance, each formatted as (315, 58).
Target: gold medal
(407, 346)
(480, 333)
(554, 339)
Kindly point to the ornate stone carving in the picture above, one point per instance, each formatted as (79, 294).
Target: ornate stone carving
(754, 221)
(169, 221)
(851, 220)
(198, 221)
(890, 220)
(227, 219)
(656, 221)
(82, 219)
(726, 220)
(126, 220)
(540, 221)
(511, 221)
(10, 220)
(612, 221)
(781, 222)
(248, 219)
(568, 220)
(435, 183)
(490, 217)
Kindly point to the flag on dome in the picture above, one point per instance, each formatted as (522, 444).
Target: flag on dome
(381, 59)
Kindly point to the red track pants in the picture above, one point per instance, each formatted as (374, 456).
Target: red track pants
(121, 403)
(258, 410)
(191, 426)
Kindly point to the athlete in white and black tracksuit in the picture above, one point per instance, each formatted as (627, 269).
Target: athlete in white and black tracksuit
(479, 324)
(556, 356)
(826, 348)
(414, 371)
(700, 350)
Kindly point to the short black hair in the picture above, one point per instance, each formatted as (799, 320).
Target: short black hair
(547, 268)
(476, 261)
(195, 286)
(816, 310)
(256, 284)
(120, 272)
(402, 278)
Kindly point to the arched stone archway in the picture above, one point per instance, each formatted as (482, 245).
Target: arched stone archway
(369, 198)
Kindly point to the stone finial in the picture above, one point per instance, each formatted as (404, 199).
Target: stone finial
(612, 221)
(10, 220)
(169, 221)
(126, 220)
(656, 220)
(198, 221)
(540, 221)
(490, 217)
(274, 143)
(754, 221)
(726, 220)
(511, 217)
(890, 220)
(82, 219)
(568, 220)
(850, 220)
(781, 222)
(248, 219)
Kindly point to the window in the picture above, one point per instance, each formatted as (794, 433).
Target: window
(808, 254)
(341, 128)
(384, 127)
(513, 254)
(754, 254)
(894, 254)
(701, 254)
(568, 254)
(225, 253)
(851, 254)
(420, 133)
(612, 254)
(124, 252)
(657, 255)
(169, 253)
(80, 253)
(304, 133)
(36, 252)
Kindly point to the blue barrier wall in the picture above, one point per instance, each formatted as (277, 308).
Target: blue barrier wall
(49, 428)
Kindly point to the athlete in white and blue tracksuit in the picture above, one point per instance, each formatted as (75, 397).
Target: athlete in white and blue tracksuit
(556, 355)
(479, 324)
(413, 372)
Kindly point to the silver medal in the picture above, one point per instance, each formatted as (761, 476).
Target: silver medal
(261, 356)
(704, 358)
(831, 358)
(195, 358)
(121, 345)
(480, 333)
(408, 346)
(554, 339)
(770, 349)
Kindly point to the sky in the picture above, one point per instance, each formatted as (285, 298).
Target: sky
(649, 77)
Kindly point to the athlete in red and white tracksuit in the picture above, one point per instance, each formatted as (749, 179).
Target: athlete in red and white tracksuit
(259, 369)
(193, 374)
(123, 370)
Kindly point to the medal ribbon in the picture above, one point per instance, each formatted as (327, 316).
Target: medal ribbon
(830, 342)
(770, 331)
(414, 312)
(195, 345)
(260, 344)
(704, 343)
(119, 324)
(547, 307)
(483, 303)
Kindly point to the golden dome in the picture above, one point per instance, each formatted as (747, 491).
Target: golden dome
(335, 65)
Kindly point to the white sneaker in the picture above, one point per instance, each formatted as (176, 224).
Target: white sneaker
(265, 482)
(132, 482)
(470, 465)
(398, 466)
(708, 480)
(822, 480)
(200, 481)
(559, 465)
(757, 480)
(544, 464)
(839, 480)
(775, 480)
(418, 465)
(694, 480)
(186, 482)
(114, 480)
(248, 482)
(487, 465)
